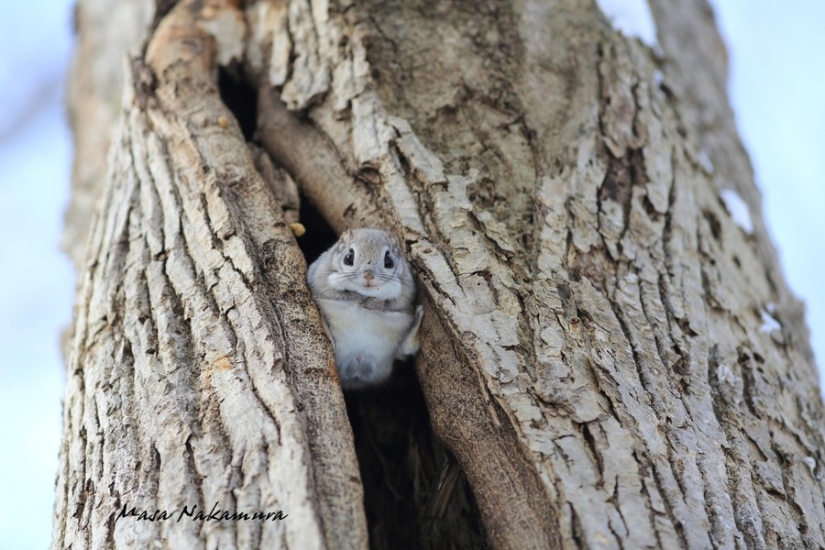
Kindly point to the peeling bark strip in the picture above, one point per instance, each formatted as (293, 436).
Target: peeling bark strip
(612, 360)
(198, 372)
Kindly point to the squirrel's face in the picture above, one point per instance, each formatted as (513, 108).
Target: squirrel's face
(366, 265)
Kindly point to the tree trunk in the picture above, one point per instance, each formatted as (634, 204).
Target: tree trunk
(609, 349)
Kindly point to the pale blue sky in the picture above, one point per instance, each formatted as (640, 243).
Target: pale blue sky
(777, 80)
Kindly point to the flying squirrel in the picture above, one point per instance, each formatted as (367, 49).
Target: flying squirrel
(366, 293)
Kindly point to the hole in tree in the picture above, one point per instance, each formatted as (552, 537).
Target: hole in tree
(241, 99)
(400, 461)
(399, 457)
(319, 236)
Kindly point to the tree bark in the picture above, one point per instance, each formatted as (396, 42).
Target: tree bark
(609, 351)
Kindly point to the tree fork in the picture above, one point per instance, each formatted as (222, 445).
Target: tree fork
(595, 350)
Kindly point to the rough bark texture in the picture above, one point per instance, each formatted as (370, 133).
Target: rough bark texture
(612, 360)
(199, 372)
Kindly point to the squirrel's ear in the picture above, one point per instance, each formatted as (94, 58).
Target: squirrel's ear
(346, 235)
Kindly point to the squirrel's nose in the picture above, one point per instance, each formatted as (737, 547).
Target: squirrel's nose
(369, 276)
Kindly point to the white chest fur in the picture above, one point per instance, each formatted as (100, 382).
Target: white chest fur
(366, 341)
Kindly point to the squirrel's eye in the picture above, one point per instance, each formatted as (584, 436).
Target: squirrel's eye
(388, 263)
(350, 257)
